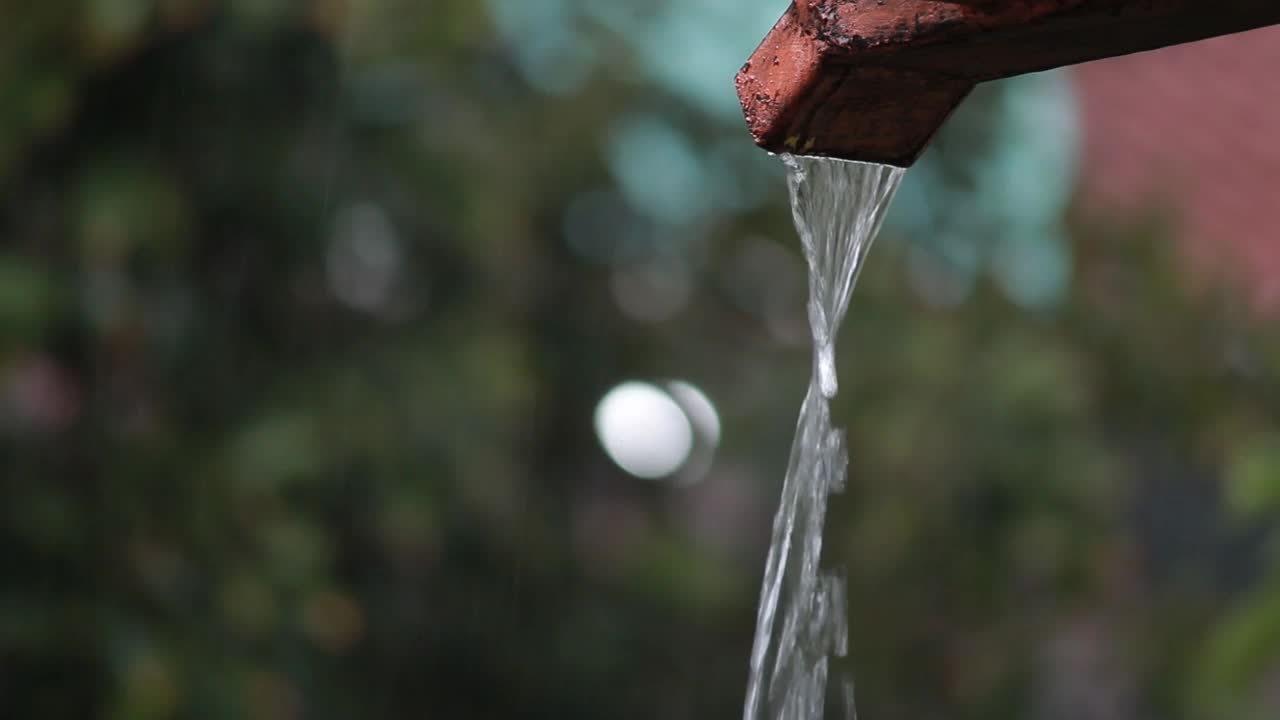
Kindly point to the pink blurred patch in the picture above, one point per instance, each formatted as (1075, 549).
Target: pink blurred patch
(37, 394)
(1194, 127)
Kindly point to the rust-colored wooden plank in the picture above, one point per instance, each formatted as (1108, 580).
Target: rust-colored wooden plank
(873, 80)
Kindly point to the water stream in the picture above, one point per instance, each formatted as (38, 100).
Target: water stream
(802, 622)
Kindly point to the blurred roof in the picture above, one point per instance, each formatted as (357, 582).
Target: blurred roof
(1195, 128)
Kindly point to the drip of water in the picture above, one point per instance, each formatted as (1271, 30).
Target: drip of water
(838, 208)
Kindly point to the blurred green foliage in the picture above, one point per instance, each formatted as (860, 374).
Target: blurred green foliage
(305, 309)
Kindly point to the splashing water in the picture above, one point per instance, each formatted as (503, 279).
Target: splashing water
(838, 208)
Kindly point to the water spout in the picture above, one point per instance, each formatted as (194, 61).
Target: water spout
(873, 80)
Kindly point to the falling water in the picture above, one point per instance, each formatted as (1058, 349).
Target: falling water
(838, 208)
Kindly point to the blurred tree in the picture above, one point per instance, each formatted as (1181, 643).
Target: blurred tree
(305, 309)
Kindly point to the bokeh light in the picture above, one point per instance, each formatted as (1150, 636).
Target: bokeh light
(644, 430)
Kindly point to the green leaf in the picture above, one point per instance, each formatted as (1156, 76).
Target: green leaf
(1254, 474)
